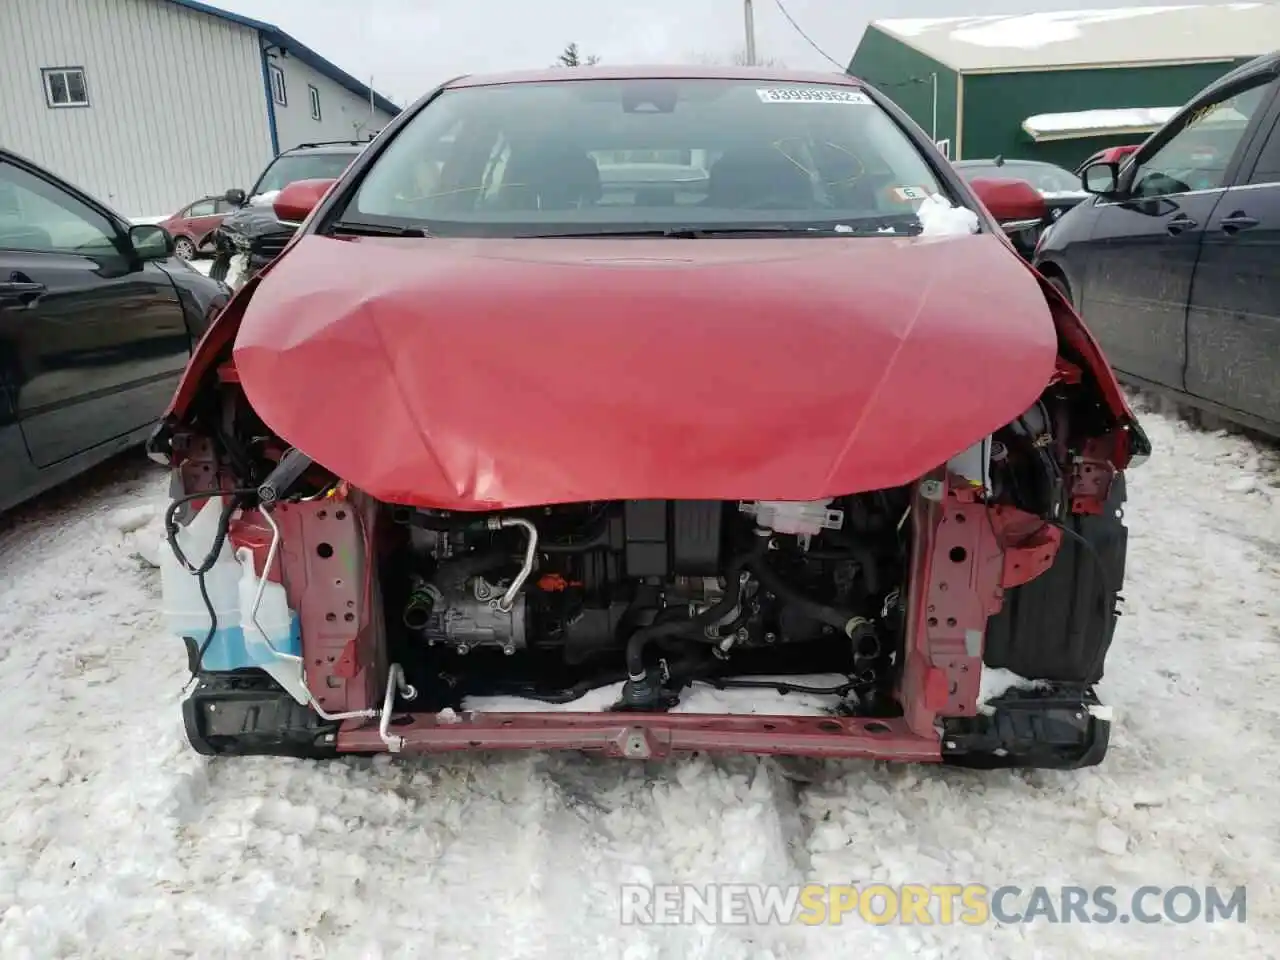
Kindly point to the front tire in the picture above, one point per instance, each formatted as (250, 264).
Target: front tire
(184, 248)
(1060, 285)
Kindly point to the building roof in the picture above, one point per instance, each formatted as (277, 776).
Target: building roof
(297, 48)
(1126, 35)
(680, 71)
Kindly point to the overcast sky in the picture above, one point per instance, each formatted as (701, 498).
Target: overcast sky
(407, 46)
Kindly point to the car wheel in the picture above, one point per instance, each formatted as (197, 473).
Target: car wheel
(184, 248)
(1060, 285)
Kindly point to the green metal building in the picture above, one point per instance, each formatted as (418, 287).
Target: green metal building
(1057, 86)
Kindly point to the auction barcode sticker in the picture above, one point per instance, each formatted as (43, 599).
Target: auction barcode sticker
(811, 95)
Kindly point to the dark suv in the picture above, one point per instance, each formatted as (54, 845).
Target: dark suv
(253, 229)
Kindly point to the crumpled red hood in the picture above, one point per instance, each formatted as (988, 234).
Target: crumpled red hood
(480, 374)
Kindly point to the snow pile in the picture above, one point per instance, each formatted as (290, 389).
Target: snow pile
(1033, 30)
(1022, 31)
(996, 682)
(140, 221)
(264, 199)
(938, 218)
(1123, 120)
(703, 698)
(699, 698)
(142, 530)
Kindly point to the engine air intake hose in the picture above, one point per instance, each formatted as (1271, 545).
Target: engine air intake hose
(693, 626)
(842, 620)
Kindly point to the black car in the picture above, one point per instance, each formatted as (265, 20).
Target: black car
(253, 230)
(1174, 262)
(97, 322)
(1059, 187)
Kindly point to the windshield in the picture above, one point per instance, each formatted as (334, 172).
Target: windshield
(1045, 177)
(302, 166)
(584, 156)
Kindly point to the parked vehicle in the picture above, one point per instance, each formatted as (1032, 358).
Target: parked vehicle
(1108, 155)
(97, 321)
(192, 227)
(809, 426)
(1175, 260)
(1060, 188)
(252, 232)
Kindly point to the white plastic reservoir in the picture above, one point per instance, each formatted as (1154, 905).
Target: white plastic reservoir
(242, 639)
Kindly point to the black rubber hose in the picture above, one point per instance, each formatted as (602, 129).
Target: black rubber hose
(693, 626)
(595, 541)
(857, 549)
(861, 554)
(569, 694)
(797, 601)
(417, 612)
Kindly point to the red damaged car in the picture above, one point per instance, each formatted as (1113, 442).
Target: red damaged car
(649, 410)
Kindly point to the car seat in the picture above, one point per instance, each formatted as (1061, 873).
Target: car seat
(550, 178)
(745, 179)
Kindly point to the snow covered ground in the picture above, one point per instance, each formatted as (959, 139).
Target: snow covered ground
(117, 841)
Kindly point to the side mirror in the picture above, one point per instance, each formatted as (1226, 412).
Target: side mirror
(296, 201)
(236, 197)
(1015, 204)
(1102, 179)
(151, 242)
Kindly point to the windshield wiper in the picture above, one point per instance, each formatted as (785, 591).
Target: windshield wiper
(699, 233)
(683, 233)
(696, 233)
(375, 230)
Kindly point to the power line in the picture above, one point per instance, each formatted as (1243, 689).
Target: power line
(809, 40)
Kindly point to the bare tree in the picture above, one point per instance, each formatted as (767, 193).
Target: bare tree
(572, 58)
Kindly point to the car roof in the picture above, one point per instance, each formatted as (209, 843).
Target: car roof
(653, 72)
(1267, 63)
(340, 146)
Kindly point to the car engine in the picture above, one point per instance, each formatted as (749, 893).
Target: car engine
(654, 592)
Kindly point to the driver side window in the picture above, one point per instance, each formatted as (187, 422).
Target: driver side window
(36, 215)
(1196, 157)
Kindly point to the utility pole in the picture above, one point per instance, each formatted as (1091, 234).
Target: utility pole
(749, 17)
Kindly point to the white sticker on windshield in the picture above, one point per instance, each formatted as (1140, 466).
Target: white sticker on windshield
(907, 194)
(811, 95)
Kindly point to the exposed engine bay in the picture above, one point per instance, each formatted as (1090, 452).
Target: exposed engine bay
(548, 604)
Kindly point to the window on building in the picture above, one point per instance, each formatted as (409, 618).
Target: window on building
(945, 147)
(315, 101)
(65, 87)
(278, 92)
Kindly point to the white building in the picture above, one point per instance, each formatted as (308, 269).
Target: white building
(151, 104)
